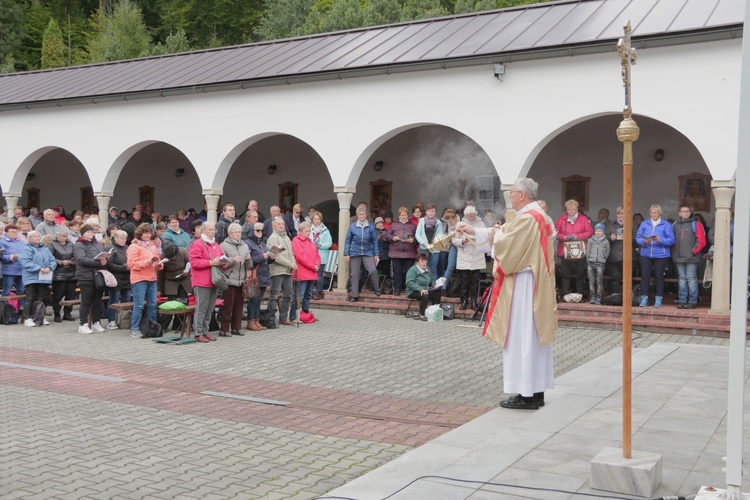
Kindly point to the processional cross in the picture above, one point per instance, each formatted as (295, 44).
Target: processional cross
(628, 57)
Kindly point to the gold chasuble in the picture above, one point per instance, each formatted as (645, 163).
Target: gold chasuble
(526, 243)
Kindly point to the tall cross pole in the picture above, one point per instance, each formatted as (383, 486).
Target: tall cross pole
(627, 133)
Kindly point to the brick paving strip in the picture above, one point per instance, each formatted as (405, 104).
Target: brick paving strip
(315, 410)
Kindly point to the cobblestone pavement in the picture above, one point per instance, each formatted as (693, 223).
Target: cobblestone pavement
(108, 416)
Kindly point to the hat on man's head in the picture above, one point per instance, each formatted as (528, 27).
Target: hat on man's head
(379, 219)
(599, 226)
(471, 209)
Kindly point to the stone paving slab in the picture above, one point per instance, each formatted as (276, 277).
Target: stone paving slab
(155, 436)
(518, 459)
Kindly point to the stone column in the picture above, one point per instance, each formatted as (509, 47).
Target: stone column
(723, 194)
(510, 213)
(212, 201)
(344, 195)
(102, 199)
(11, 199)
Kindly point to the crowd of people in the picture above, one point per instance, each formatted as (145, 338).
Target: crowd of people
(148, 255)
(139, 256)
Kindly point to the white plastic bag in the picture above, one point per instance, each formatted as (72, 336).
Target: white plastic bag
(434, 313)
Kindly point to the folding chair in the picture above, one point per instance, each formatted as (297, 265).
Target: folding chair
(332, 267)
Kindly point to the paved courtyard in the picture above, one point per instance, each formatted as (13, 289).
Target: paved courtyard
(108, 416)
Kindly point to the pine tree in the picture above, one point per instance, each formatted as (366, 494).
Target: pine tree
(53, 48)
(124, 35)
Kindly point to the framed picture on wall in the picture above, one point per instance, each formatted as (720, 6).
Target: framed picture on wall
(146, 196)
(287, 196)
(87, 200)
(380, 195)
(695, 190)
(33, 198)
(576, 188)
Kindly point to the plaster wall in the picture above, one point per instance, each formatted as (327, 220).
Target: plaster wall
(346, 121)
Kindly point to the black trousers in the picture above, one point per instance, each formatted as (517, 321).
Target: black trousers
(63, 290)
(433, 296)
(573, 270)
(400, 267)
(469, 284)
(615, 268)
(91, 300)
(35, 291)
(658, 266)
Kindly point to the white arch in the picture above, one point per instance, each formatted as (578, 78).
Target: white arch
(19, 176)
(114, 171)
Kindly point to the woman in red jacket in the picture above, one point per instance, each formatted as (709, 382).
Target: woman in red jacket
(205, 253)
(308, 262)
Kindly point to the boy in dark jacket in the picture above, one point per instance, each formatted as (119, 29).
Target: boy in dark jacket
(597, 252)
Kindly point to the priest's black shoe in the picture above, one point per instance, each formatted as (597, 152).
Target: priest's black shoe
(539, 398)
(462, 307)
(519, 402)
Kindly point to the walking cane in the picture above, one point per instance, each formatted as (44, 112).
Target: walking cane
(297, 301)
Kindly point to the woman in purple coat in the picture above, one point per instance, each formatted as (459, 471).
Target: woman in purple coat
(403, 248)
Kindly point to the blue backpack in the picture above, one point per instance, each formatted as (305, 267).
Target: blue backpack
(8, 314)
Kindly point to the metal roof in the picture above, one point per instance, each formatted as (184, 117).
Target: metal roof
(531, 31)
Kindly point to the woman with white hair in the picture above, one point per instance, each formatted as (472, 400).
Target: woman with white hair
(238, 254)
(204, 253)
(64, 276)
(38, 264)
(656, 237)
(362, 248)
(469, 261)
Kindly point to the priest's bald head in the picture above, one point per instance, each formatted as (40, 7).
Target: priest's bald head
(524, 192)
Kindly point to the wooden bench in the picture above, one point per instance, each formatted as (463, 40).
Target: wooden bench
(9, 298)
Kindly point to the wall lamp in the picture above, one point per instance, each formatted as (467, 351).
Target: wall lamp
(30, 176)
(499, 70)
(179, 172)
(659, 155)
(378, 166)
(272, 169)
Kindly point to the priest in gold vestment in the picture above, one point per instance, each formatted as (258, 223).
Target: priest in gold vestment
(522, 316)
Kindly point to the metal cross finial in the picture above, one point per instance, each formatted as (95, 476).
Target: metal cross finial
(628, 57)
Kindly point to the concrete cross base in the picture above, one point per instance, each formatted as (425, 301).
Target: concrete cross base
(639, 475)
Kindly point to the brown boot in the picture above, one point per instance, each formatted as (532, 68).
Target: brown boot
(253, 325)
(249, 325)
(259, 326)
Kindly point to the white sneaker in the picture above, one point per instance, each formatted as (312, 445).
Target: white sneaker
(97, 327)
(112, 326)
(84, 328)
(136, 334)
(45, 322)
(29, 322)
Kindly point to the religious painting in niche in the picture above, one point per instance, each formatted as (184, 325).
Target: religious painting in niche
(32, 198)
(287, 196)
(380, 196)
(87, 200)
(146, 197)
(695, 190)
(576, 188)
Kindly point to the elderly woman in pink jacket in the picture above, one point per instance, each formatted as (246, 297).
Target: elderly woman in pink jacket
(204, 253)
(308, 262)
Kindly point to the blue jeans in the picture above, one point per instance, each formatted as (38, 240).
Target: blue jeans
(8, 281)
(253, 305)
(305, 293)
(687, 290)
(432, 262)
(143, 290)
(115, 297)
(452, 256)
